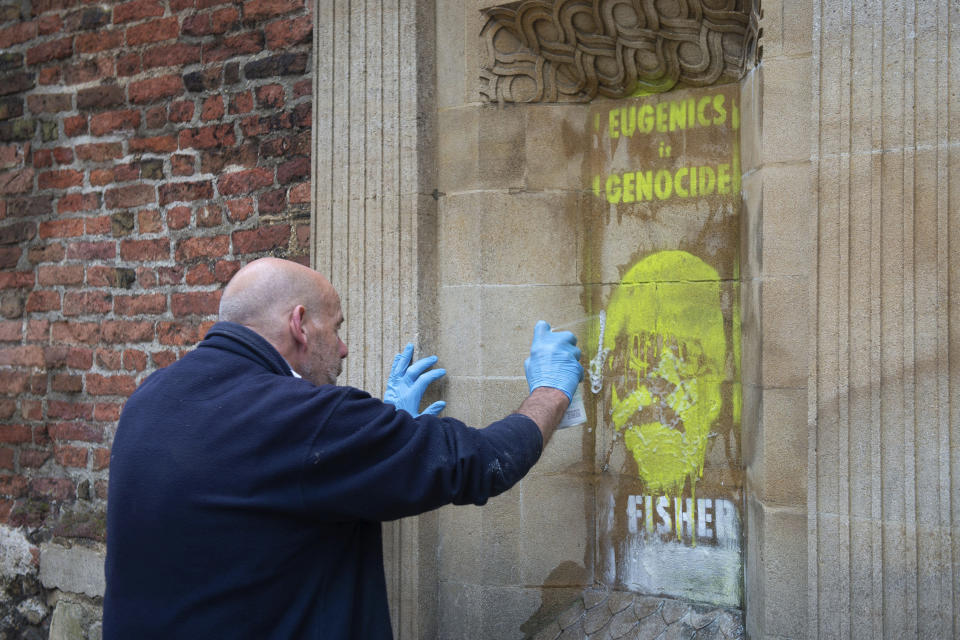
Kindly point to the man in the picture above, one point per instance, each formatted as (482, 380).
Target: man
(247, 490)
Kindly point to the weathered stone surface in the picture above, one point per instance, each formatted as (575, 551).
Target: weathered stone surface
(76, 569)
(76, 621)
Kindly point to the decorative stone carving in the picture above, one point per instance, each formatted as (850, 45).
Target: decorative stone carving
(576, 50)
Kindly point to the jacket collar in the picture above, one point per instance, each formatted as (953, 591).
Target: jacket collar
(246, 342)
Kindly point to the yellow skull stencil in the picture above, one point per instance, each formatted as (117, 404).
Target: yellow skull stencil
(664, 350)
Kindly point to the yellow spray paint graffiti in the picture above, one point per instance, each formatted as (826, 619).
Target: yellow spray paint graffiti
(665, 349)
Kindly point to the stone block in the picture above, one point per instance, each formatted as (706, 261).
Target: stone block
(75, 569)
(17, 556)
(787, 105)
(785, 444)
(505, 611)
(751, 119)
(787, 234)
(502, 558)
(511, 254)
(785, 572)
(451, 65)
(76, 621)
(510, 314)
(557, 145)
(462, 394)
(459, 237)
(556, 530)
(501, 142)
(772, 25)
(500, 397)
(458, 154)
(784, 326)
(460, 347)
(461, 552)
(751, 227)
(797, 28)
(459, 614)
(752, 336)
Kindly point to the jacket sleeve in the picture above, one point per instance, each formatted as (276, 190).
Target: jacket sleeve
(369, 461)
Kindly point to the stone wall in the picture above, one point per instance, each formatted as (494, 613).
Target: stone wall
(147, 150)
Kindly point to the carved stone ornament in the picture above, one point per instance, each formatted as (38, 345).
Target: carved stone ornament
(576, 50)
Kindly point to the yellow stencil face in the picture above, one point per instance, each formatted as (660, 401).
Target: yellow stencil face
(665, 338)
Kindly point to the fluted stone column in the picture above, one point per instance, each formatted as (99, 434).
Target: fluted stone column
(374, 222)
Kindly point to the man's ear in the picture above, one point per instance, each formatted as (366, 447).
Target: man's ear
(297, 326)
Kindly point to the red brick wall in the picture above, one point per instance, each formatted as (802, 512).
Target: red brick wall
(147, 150)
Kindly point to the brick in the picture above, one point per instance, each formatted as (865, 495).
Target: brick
(212, 108)
(121, 331)
(102, 40)
(10, 331)
(178, 333)
(286, 33)
(182, 165)
(215, 22)
(299, 194)
(63, 155)
(99, 151)
(13, 382)
(302, 114)
(55, 356)
(195, 303)
(134, 195)
(151, 169)
(75, 125)
(283, 64)
(156, 144)
(261, 239)
(171, 55)
(153, 89)
(16, 279)
(93, 18)
(6, 458)
(293, 169)
(77, 303)
(49, 75)
(147, 303)
(71, 410)
(50, 23)
(181, 111)
(79, 72)
(17, 181)
(178, 217)
(70, 457)
(271, 96)
(303, 88)
(14, 486)
(170, 275)
(202, 247)
(100, 97)
(18, 82)
(49, 102)
(17, 232)
(128, 64)
(60, 179)
(17, 34)
(217, 160)
(11, 107)
(21, 356)
(107, 411)
(145, 250)
(38, 330)
(97, 225)
(60, 275)
(75, 332)
(209, 216)
(149, 221)
(155, 117)
(137, 10)
(272, 201)
(206, 80)
(241, 102)
(101, 459)
(52, 488)
(258, 10)
(214, 136)
(243, 44)
(41, 301)
(33, 458)
(162, 359)
(66, 383)
(54, 50)
(153, 31)
(185, 192)
(109, 358)
(241, 182)
(53, 252)
(66, 228)
(121, 278)
(15, 433)
(101, 250)
(9, 257)
(110, 121)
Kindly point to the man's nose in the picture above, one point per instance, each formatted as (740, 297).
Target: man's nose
(343, 349)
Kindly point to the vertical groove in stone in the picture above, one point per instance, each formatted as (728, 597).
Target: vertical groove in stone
(886, 416)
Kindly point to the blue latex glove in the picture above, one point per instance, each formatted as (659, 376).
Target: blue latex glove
(407, 383)
(554, 360)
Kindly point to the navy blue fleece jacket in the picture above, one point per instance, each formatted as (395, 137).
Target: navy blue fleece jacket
(246, 503)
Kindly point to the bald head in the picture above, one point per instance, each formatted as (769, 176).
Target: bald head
(263, 293)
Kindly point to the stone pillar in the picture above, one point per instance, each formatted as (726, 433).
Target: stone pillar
(373, 222)
(883, 505)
